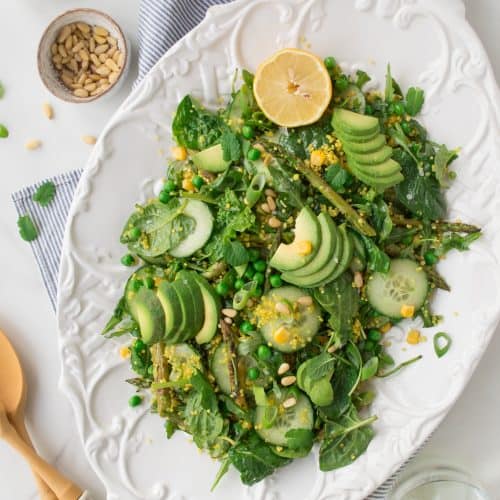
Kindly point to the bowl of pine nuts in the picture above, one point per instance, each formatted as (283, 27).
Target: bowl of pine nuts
(83, 55)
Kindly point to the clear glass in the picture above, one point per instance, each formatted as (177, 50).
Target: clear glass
(438, 483)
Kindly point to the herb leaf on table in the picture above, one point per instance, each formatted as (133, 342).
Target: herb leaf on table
(27, 228)
(45, 193)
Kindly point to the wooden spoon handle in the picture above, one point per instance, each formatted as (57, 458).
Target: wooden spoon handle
(59, 484)
(43, 490)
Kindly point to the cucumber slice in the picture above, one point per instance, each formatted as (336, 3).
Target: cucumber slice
(183, 361)
(299, 416)
(204, 222)
(405, 284)
(220, 369)
(287, 332)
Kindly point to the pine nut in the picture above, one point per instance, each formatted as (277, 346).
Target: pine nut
(111, 40)
(331, 349)
(121, 58)
(283, 368)
(265, 208)
(95, 60)
(62, 51)
(84, 55)
(358, 280)
(228, 321)
(113, 77)
(53, 49)
(47, 110)
(289, 403)
(33, 144)
(99, 39)
(111, 51)
(92, 45)
(111, 65)
(102, 58)
(282, 308)
(57, 59)
(270, 192)
(274, 222)
(90, 86)
(89, 139)
(103, 71)
(63, 34)
(229, 312)
(289, 380)
(306, 300)
(99, 30)
(271, 203)
(80, 93)
(79, 46)
(68, 44)
(83, 27)
(100, 49)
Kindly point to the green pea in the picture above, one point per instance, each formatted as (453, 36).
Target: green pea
(139, 345)
(149, 282)
(330, 62)
(253, 373)
(377, 349)
(407, 239)
(253, 154)
(406, 127)
(4, 132)
(258, 291)
(430, 257)
(198, 181)
(374, 335)
(259, 278)
(275, 280)
(249, 273)
(136, 285)
(222, 288)
(134, 401)
(128, 260)
(341, 83)
(134, 234)
(253, 254)
(164, 196)
(238, 284)
(368, 109)
(247, 131)
(369, 345)
(260, 265)
(398, 108)
(169, 186)
(264, 352)
(246, 327)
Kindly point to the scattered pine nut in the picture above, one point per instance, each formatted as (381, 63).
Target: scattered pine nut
(331, 349)
(271, 203)
(358, 280)
(270, 192)
(89, 139)
(48, 110)
(274, 222)
(282, 308)
(306, 300)
(265, 208)
(288, 380)
(230, 313)
(288, 403)
(33, 144)
(283, 368)
(228, 321)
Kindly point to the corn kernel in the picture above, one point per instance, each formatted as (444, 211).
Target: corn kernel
(317, 158)
(385, 328)
(124, 352)
(413, 337)
(304, 247)
(179, 153)
(281, 335)
(407, 311)
(187, 185)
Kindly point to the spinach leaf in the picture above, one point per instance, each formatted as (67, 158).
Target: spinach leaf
(441, 161)
(297, 141)
(378, 260)
(341, 300)
(419, 193)
(283, 183)
(254, 459)
(338, 178)
(414, 100)
(202, 416)
(195, 127)
(231, 146)
(27, 229)
(381, 218)
(345, 441)
(361, 78)
(320, 366)
(235, 254)
(299, 439)
(45, 193)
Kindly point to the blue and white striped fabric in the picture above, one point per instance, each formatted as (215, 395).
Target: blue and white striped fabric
(161, 24)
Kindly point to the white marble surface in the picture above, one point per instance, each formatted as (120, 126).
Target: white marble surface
(468, 436)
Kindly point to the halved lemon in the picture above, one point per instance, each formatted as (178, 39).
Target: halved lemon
(293, 87)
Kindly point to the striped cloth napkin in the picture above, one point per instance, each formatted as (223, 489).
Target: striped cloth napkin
(161, 24)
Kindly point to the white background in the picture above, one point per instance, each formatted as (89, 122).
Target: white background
(470, 434)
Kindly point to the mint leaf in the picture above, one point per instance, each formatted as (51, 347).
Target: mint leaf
(414, 100)
(443, 158)
(337, 177)
(45, 193)
(231, 147)
(27, 229)
(361, 78)
(235, 254)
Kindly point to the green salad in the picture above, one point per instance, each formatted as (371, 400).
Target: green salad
(272, 263)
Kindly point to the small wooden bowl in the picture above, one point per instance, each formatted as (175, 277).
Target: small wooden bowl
(48, 72)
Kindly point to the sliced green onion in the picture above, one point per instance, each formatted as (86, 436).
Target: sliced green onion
(259, 395)
(255, 189)
(399, 367)
(242, 296)
(440, 348)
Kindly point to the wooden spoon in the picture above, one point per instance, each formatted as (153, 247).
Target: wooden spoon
(51, 484)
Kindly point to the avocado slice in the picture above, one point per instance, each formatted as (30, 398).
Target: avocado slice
(146, 309)
(365, 147)
(354, 124)
(325, 252)
(211, 159)
(309, 280)
(173, 311)
(185, 330)
(211, 304)
(380, 183)
(193, 306)
(355, 139)
(290, 257)
(374, 158)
